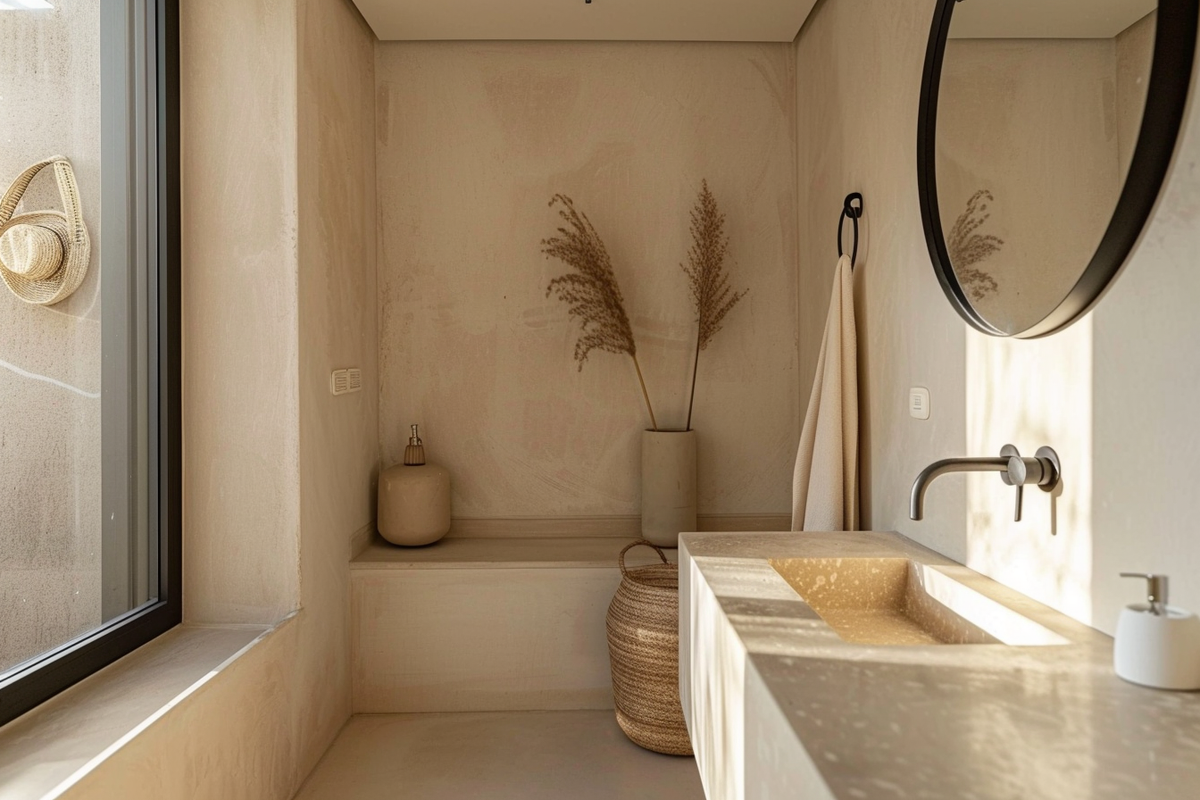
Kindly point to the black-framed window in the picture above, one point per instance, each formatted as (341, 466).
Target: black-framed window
(90, 485)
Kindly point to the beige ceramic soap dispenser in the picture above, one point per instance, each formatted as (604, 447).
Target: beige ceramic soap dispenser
(414, 499)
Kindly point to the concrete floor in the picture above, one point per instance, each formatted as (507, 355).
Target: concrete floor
(497, 756)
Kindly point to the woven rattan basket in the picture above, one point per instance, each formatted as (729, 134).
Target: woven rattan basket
(643, 648)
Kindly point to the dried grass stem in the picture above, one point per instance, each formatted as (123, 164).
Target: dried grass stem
(591, 290)
(709, 284)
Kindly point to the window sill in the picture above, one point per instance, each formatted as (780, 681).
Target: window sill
(45, 752)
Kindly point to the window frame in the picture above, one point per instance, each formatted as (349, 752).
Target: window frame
(33, 682)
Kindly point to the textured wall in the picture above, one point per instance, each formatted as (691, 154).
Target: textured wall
(339, 436)
(242, 491)
(473, 141)
(1111, 393)
(339, 450)
(50, 357)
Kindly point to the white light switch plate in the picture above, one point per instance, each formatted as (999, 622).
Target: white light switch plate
(918, 403)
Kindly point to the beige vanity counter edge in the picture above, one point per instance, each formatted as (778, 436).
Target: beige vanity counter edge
(778, 706)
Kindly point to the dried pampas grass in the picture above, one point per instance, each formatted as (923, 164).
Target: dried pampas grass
(709, 284)
(591, 290)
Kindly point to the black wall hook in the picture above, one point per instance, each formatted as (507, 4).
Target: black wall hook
(849, 210)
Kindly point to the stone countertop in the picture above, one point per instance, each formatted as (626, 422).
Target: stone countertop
(942, 721)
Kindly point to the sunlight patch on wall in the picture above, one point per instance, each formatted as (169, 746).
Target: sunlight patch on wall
(1033, 393)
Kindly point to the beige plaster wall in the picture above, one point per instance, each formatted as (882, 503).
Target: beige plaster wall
(279, 277)
(339, 436)
(339, 450)
(473, 139)
(50, 356)
(1112, 393)
(240, 310)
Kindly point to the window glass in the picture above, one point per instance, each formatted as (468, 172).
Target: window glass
(78, 543)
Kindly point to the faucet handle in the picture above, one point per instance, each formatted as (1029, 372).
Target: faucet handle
(1009, 451)
(1042, 471)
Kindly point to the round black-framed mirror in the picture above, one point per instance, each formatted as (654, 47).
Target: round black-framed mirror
(1133, 198)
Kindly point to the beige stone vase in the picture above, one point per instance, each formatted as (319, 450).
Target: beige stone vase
(668, 485)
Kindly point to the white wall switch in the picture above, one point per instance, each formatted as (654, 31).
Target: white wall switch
(344, 381)
(918, 403)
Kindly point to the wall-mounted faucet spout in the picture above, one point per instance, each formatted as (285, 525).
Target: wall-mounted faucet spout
(1043, 470)
(916, 506)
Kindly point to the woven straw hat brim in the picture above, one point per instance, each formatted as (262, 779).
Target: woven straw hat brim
(34, 250)
(69, 275)
(68, 227)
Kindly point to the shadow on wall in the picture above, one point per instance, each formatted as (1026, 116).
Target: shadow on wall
(1033, 393)
(862, 324)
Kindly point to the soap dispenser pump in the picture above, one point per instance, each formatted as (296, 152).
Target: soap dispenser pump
(1157, 645)
(414, 499)
(414, 453)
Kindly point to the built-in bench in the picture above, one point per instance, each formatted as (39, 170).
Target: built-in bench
(490, 623)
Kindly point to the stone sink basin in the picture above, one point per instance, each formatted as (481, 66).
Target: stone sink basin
(899, 601)
(856, 665)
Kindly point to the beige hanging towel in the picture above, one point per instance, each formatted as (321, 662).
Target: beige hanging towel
(825, 483)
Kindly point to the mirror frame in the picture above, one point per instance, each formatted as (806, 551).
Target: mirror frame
(1162, 120)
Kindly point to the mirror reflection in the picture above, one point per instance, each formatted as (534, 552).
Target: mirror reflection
(1039, 111)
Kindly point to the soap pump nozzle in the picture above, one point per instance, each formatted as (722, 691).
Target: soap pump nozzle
(1156, 590)
(414, 454)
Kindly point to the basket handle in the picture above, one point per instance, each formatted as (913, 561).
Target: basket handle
(631, 545)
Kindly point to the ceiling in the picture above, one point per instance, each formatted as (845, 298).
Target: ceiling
(1046, 19)
(611, 20)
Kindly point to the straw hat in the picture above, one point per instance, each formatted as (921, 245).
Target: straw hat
(44, 254)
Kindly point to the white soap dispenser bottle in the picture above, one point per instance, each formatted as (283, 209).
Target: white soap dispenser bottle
(1157, 645)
